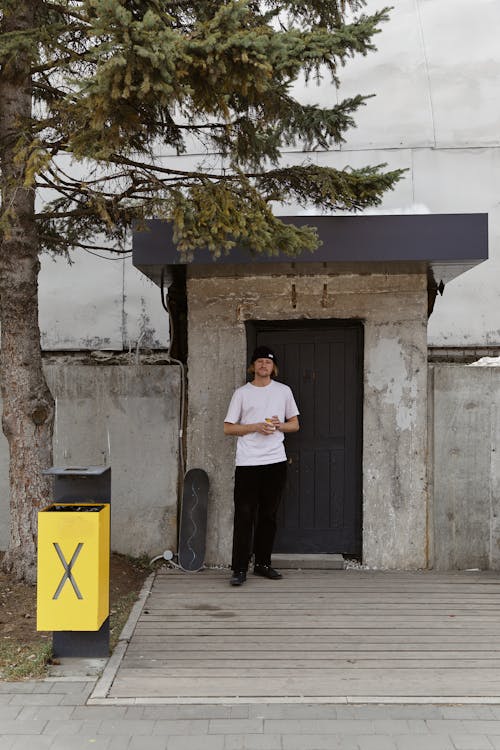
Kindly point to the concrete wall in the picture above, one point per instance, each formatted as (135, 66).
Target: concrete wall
(127, 417)
(393, 310)
(465, 427)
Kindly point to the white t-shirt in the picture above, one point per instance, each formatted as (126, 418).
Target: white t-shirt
(251, 404)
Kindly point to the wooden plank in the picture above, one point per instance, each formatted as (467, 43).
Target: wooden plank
(378, 682)
(220, 654)
(259, 669)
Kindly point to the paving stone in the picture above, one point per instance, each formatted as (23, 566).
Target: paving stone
(9, 712)
(11, 726)
(82, 742)
(135, 712)
(29, 742)
(198, 711)
(152, 743)
(68, 687)
(297, 711)
(17, 687)
(196, 742)
(237, 726)
(28, 713)
(39, 686)
(446, 726)
(391, 726)
(400, 726)
(127, 727)
(469, 712)
(319, 742)
(116, 743)
(375, 742)
(480, 726)
(424, 742)
(253, 742)
(320, 726)
(36, 699)
(69, 726)
(99, 712)
(166, 727)
(484, 712)
(82, 726)
(471, 742)
(417, 726)
(403, 711)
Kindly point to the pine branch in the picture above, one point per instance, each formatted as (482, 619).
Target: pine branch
(348, 189)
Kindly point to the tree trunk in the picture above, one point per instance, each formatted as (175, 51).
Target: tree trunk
(28, 408)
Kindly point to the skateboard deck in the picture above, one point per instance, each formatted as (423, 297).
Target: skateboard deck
(193, 525)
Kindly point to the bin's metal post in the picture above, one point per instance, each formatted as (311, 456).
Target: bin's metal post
(81, 484)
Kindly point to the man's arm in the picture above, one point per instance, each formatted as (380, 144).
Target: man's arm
(245, 429)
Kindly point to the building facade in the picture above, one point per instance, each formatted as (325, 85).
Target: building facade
(436, 114)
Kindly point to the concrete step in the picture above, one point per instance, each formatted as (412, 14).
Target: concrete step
(308, 562)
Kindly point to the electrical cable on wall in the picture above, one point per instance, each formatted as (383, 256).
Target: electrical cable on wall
(166, 306)
(167, 556)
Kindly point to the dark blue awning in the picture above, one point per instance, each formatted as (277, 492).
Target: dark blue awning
(448, 243)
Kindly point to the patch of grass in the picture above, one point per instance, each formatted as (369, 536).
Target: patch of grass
(25, 661)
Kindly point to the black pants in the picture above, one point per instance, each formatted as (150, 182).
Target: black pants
(257, 495)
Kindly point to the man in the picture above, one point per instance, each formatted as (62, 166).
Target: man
(259, 415)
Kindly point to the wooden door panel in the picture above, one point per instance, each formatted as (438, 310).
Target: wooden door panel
(321, 509)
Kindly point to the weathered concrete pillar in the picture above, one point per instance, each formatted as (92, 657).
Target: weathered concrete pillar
(394, 450)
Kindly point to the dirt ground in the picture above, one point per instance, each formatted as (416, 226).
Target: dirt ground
(18, 601)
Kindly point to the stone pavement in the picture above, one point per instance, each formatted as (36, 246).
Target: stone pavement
(53, 714)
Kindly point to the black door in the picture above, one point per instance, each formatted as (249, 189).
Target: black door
(322, 363)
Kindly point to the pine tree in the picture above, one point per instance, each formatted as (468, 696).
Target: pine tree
(120, 86)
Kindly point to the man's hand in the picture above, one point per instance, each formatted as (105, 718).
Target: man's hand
(266, 427)
(291, 425)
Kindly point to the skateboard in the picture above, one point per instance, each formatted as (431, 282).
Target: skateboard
(193, 525)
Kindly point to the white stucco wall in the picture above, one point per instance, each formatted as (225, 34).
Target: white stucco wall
(437, 112)
(99, 303)
(436, 76)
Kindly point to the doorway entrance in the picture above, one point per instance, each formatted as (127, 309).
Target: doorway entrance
(322, 362)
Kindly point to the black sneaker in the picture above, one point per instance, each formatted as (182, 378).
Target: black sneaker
(238, 578)
(267, 572)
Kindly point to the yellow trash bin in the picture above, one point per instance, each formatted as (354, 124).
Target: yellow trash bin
(73, 566)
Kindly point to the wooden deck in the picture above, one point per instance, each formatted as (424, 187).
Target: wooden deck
(315, 634)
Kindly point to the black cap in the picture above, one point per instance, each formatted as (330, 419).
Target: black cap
(263, 352)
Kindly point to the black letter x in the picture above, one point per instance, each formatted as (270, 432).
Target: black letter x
(67, 567)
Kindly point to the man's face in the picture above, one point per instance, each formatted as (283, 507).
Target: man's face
(263, 367)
